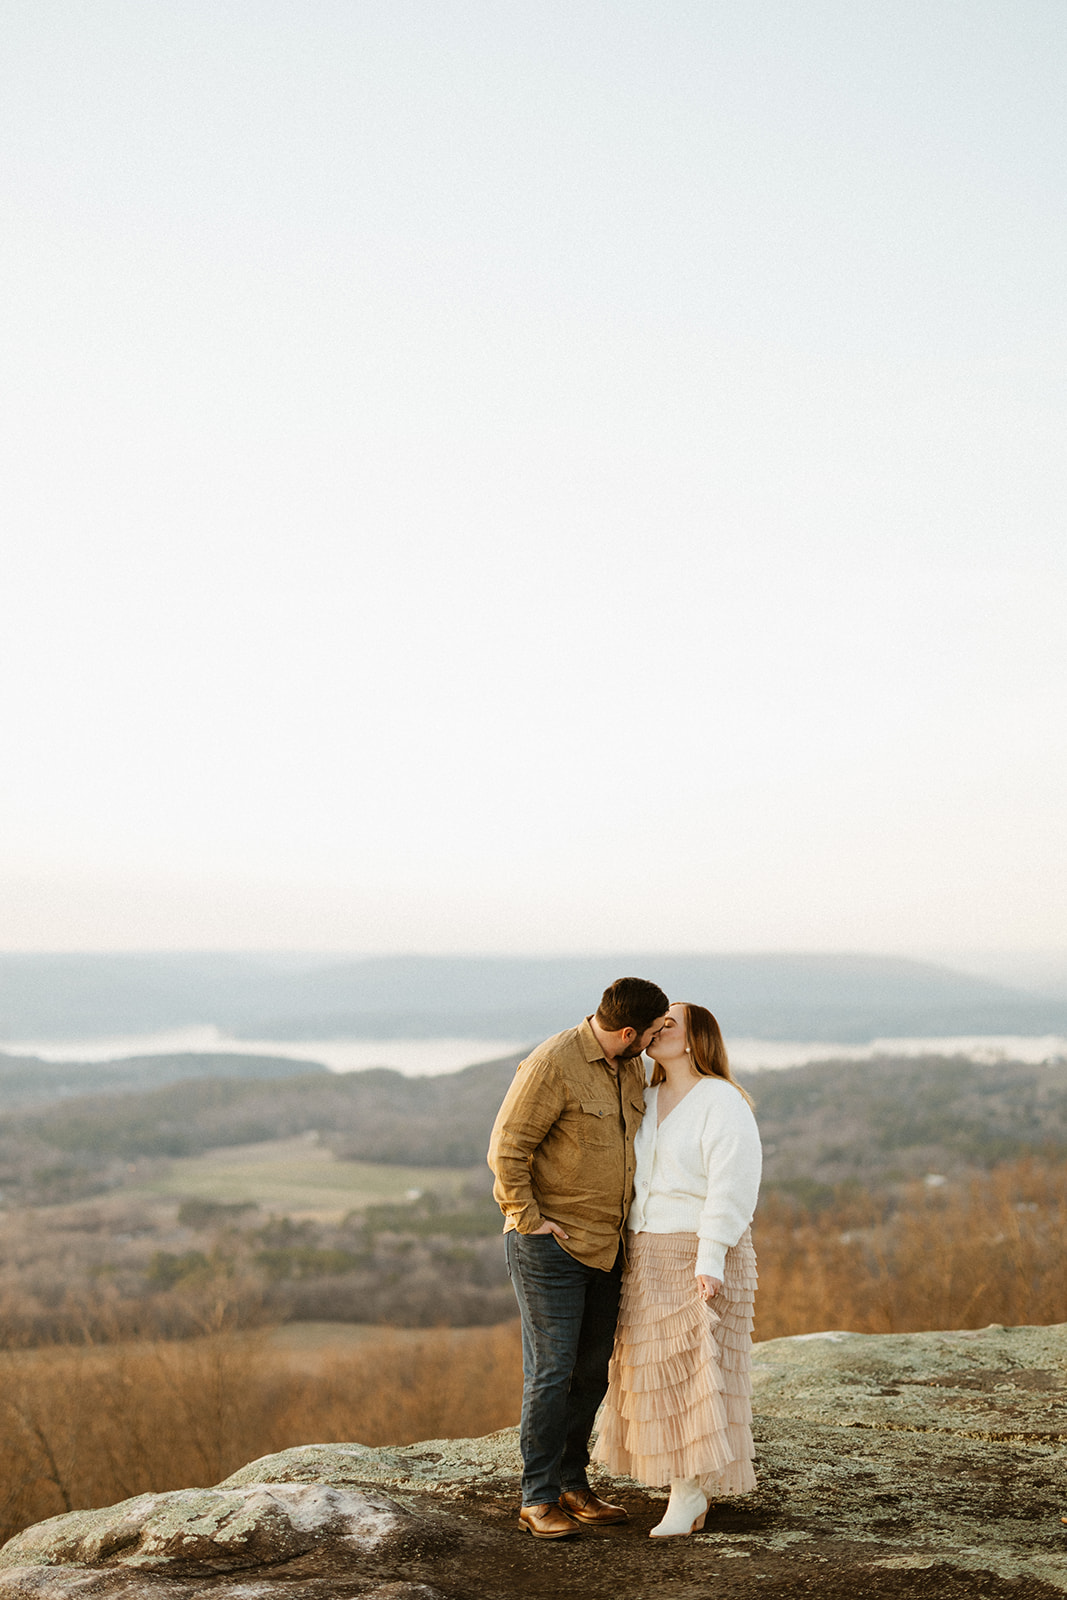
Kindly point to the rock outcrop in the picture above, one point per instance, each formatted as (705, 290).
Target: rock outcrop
(912, 1465)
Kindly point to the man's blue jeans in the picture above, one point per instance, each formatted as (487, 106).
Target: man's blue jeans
(568, 1313)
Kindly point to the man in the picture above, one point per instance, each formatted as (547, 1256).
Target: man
(562, 1152)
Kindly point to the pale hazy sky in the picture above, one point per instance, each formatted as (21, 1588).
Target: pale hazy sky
(544, 476)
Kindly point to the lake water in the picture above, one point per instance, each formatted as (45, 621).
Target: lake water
(429, 1057)
(413, 1057)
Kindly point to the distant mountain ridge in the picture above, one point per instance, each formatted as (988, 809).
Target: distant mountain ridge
(836, 998)
(29, 1081)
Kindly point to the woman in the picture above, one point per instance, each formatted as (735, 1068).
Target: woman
(678, 1408)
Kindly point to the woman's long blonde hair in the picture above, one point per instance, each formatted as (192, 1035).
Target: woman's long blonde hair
(707, 1049)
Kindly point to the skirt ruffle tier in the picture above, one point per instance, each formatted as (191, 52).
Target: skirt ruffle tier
(679, 1400)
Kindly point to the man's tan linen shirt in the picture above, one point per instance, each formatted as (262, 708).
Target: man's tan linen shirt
(562, 1146)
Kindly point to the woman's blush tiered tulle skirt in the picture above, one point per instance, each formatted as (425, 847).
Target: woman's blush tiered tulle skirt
(679, 1400)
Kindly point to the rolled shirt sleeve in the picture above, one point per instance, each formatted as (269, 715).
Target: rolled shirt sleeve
(534, 1102)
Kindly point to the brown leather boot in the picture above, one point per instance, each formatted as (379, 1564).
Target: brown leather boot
(583, 1506)
(549, 1521)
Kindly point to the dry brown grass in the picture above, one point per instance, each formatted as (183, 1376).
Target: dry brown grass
(987, 1249)
(84, 1426)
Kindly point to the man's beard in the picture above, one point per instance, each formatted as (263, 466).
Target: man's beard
(632, 1053)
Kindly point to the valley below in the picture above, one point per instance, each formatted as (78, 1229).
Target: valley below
(205, 1261)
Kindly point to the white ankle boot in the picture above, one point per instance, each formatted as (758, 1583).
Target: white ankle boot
(686, 1509)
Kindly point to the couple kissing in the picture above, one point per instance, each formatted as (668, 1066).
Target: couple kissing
(626, 1227)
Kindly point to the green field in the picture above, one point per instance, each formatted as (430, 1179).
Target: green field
(299, 1178)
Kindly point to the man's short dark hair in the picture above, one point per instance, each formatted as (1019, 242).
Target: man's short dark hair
(631, 1003)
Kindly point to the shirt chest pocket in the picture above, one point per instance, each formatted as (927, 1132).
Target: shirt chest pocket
(597, 1122)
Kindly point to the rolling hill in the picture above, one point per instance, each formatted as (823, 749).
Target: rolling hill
(823, 1124)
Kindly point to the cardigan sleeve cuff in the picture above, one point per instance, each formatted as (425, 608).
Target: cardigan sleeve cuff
(711, 1259)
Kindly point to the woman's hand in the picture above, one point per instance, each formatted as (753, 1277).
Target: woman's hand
(709, 1287)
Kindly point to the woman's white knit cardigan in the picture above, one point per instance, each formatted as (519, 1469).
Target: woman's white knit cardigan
(699, 1172)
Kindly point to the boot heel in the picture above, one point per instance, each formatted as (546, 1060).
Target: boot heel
(686, 1495)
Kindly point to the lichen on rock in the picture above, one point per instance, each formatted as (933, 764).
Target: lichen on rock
(907, 1465)
(205, 1531)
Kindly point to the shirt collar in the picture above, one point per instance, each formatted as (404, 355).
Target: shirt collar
(594, 1050)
